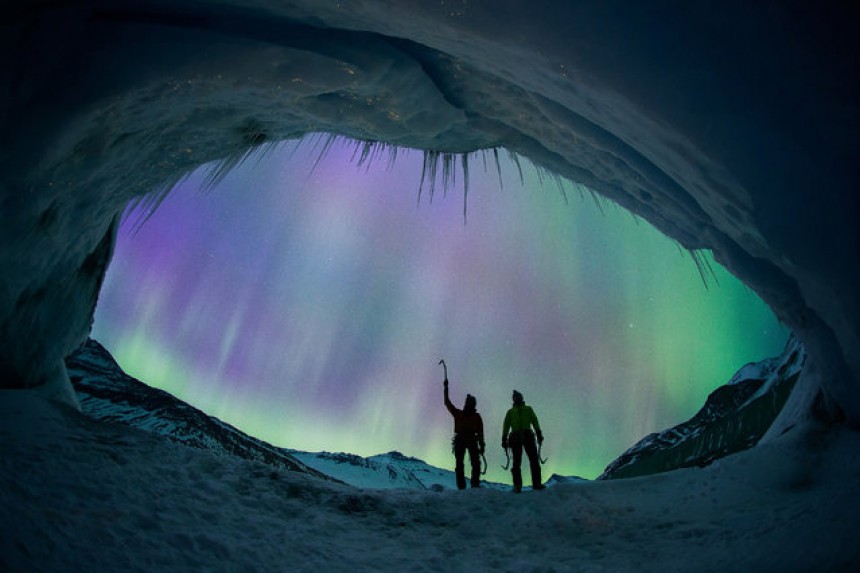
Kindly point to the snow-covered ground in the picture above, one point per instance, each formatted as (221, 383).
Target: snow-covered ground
(80, 495)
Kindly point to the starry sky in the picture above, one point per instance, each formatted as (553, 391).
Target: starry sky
(309, 305)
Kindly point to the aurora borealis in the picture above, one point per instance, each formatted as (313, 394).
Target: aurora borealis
(310, 308)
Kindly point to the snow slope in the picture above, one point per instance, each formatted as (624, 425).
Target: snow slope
(80, 495)
(107, 393)
(734, 418)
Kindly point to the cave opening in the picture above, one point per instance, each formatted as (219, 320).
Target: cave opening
(306, 300)
(731, 129)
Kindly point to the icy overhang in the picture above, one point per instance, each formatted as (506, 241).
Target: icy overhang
(732, 130)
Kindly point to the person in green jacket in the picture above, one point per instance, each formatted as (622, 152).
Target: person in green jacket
(519, 421)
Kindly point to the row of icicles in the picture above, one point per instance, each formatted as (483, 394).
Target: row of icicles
(435, 164)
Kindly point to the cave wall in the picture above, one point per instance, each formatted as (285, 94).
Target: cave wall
(732, 129)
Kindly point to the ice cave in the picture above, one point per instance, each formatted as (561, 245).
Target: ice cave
(731, 128)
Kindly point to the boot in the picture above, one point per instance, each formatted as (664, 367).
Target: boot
(518, 481)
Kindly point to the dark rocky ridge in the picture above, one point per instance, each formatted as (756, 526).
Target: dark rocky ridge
(734, 418)
(107, 393)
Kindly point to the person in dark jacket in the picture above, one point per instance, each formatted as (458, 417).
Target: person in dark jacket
(468, 436)
(519, 420)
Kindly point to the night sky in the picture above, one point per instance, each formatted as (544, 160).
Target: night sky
(310, 308)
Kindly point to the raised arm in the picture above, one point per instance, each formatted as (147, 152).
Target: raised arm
(448, 403)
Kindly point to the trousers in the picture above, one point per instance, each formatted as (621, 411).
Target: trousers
(519, 441)
(463, 444)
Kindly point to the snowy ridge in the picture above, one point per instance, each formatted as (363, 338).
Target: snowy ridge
(734, 418)
(773, 371)
(107, 393)
(556, 479)
(385, 471)
(362, 472)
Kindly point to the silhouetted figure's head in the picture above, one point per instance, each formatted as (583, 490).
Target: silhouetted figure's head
(471, 403)
(517, 398)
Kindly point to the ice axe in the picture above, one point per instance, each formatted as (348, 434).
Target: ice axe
(445, 366)
(507, 460)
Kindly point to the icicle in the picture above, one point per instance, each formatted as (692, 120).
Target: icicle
(367, 152)
(597, 202)
(146, 205)
(498, 167)
(516, 159)
(428, 171)
(423, 175)
(329, 140)
(465, 160)
(448, 172)
(539, 173)
(560, 185)
(703, 266)
(392, 156)
(364, 153)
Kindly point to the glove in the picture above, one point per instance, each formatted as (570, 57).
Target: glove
(539, 437)
(445, 382)
(505, 443)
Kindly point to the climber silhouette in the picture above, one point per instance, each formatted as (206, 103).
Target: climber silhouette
(468, 436)
(519, 420)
